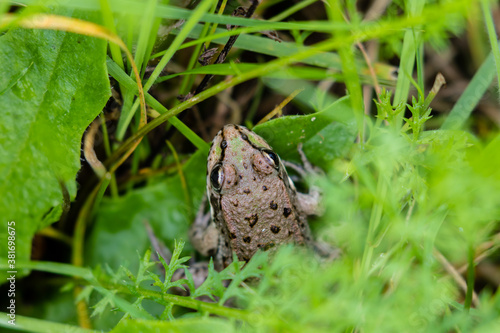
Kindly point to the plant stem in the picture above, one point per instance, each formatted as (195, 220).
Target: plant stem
(470, 279)
(375, 217)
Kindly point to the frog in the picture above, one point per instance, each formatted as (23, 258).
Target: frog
(254, 204)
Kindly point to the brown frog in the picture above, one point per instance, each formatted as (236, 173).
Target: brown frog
(254, 204)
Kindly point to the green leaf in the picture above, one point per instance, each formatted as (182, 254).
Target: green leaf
(213, 283)
(174, 264)
(53, 85)
(103, 304)
(326, 135)
(253, 269)
(144, 266)
(110, 298)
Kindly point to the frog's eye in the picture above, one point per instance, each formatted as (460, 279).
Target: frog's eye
(272, 158)
(217, 177)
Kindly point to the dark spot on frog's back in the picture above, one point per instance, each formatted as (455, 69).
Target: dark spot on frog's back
(223, 144)
(273, 205)
(275, 229)
(246, 191)
(264, 188)
(247, 239)
(286, 212)
(252, 220)
(232, 235)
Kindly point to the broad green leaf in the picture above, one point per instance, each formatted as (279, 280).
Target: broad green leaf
(53, 85)
(119, 231)
(326, 135)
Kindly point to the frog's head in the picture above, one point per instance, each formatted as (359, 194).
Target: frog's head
(238, 155)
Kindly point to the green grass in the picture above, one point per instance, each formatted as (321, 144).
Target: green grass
(411, 194)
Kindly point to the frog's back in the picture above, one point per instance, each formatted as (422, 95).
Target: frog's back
(254, 203)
